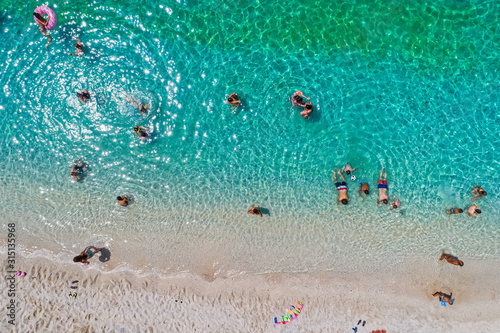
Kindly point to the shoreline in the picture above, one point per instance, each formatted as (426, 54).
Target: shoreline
(398, 301)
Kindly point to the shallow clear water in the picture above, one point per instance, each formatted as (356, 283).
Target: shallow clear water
(413, 87)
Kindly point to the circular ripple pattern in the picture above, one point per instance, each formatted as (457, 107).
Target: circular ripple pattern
(413, 87)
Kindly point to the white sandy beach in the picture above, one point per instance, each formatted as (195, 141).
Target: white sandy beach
(397, 301)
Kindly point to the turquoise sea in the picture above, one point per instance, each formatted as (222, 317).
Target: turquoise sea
(411, 85)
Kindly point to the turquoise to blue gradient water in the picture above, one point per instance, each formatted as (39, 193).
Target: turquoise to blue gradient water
(413, 87)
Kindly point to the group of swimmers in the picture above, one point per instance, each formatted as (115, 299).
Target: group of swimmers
(297, 99)
(477, 193)
(383, 198)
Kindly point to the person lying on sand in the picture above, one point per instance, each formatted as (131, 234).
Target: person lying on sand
(451, 259)
(86, 255)
(255, 210)
(444, 297)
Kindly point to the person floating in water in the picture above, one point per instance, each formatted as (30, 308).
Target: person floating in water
(141, 132)
(233, 101)
(123, 201)
(143, 108)
(342, 188)
(78, 169)
(396, 203)
(42, 23)
(298, 100)
(347, 168)
(454, 211)
(86, 255)
(478, 192)
(382, 188)
(444, 297)
(79, 48)
(83, 96)
(363, 188)
(474, 211)
(451, 259)
(255, 211)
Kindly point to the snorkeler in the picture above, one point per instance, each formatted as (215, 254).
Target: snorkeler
(451, 259)
(478, 192)
(143, 108)
(444, 297)
(123, 201)
(86, 254)
(78, 169)
(396, 203)
(233, 101)
(255, 211)
(382, 188)
(83, 96)
(347, 168)
(454, 211)
(42, 23)
(342, 188)
(363, 188)
(141, 132)
(79, 48)
(474, 211)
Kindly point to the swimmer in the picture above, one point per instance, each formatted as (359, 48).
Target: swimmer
(478, 192)
(141, 132)
(143, 108)
(382, 188)
(474, 211)
(347, 168)
(454, 211)
(123, 201)
(233, 101)
(297, 99)
(42, 23)
(83, 96)
(308, 109)
(363, 188)
(86, 255)
(451, 259)
(342, 188)
(444, 297)
(255, 210)
(78, 169)
(79, 48)
(396, 203)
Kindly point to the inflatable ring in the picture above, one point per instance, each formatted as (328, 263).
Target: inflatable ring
(51, 21)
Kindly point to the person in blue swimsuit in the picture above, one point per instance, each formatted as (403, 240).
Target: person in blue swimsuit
(382, 188)
(454, 211)
(86, 254)
(451, 259)
(444, 297)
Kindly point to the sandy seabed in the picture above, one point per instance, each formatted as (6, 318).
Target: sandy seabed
(122, 301)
